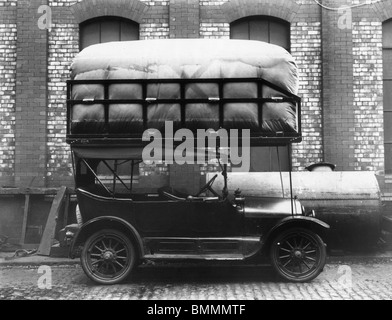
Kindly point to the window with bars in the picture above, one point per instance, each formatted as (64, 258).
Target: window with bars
(106, 29)
(275, 31)
(387, 82)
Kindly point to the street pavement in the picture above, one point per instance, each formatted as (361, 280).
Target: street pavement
(344, 278)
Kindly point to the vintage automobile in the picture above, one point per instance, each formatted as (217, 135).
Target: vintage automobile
(121, 228)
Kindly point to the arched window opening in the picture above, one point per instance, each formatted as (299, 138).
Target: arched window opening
(106, 29)
(268, 29)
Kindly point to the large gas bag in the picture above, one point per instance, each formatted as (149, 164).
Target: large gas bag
(184, 59)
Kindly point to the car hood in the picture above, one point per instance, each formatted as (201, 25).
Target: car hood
(256, 207)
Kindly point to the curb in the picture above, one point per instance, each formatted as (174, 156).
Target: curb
(381, 258)
(35, 260)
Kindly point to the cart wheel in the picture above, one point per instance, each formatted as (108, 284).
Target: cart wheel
(108, 256)
(298, 254)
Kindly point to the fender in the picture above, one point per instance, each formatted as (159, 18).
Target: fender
(297, 220)
(84, 230)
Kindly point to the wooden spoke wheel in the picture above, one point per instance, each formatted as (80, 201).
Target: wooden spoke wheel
(108, 256)
(298, 254)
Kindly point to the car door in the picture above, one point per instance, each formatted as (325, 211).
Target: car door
(190, 228)
(214, 218)
(162, 218)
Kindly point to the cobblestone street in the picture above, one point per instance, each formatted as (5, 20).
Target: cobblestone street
(348, 280)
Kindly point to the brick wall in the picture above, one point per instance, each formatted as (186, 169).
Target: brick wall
(368, 92)
(340, 76)
(155, 24)
(339, 118)
(88, 9)
(152, 3)
(286, 10)
(63, 46)
(212, 2)
(63, 3)
(184, 16)
(306, 50)
(7, 91)
(214, 30)
(31, 96)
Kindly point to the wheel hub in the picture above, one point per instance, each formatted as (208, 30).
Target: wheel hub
(298, 254)
(108, 255)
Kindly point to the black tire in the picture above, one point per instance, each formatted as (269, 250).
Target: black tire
(298, 254)
(108, 256)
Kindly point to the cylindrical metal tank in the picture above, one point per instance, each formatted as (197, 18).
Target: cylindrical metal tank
(350, 202)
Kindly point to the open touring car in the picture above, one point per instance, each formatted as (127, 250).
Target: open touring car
(120, 90)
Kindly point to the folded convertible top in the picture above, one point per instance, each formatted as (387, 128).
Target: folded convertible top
(119, 89)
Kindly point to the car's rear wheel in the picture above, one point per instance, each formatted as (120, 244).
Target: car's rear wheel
(108, 256)
(298, 254)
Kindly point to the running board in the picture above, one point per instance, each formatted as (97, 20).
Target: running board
(230, 248)
(215, 257)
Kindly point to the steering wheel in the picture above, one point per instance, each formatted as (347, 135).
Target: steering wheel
(208, 186)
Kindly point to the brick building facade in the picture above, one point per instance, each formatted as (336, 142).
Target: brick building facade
(339, 54)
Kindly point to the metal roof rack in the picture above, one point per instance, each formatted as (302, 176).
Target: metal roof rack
(106, 137)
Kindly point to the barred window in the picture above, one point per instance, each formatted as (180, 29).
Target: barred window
(387, 82)
(106, 29)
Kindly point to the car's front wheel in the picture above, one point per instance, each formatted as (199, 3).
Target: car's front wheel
(108, 256)
(298, 254)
